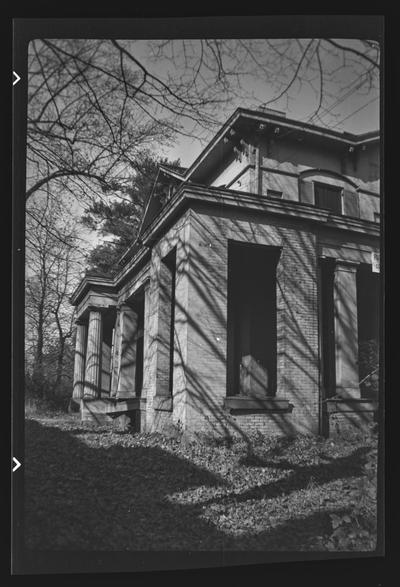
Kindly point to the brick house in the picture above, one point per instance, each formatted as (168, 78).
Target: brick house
(250, 299)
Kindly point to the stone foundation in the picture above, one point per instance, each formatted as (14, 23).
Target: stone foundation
(350, 417)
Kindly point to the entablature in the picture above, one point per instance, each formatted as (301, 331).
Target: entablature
(188, 196)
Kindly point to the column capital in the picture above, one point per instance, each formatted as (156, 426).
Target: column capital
(124, 307)
(96, 309)
(80, 322)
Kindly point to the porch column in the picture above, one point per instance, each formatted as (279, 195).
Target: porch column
(93, 355)
(128, 338)
(346, 330)
(116, 354)
(79, 360)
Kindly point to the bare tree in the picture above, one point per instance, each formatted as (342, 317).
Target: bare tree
(52, 271)
(93, 105)
(92, 108)
(331, 70)
(96, 109)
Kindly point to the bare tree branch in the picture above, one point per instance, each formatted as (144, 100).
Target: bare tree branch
(347, 49)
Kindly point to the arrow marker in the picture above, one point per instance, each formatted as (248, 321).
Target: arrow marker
(17, 464)
(17, 78)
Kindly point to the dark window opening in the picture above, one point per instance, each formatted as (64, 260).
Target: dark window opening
(328, 197)
(170, 263)
(252, 336)
(106, 354)
(139, 349)
(368, 330)
(327, 325)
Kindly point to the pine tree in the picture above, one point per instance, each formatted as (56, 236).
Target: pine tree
(118, 221)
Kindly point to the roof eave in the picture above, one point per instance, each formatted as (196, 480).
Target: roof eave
(86, 284)
(336, 136)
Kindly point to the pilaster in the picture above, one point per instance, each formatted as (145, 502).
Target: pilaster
(128, 326)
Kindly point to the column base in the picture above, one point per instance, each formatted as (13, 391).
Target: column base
(104, 411)
(90, 415)
(346, 417)
(74, 405)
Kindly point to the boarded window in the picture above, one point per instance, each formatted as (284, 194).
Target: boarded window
(166, 319)
(351, 206)
(306, 189)
(328, 197)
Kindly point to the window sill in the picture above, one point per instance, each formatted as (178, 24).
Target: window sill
(350, 405)
(255, 404)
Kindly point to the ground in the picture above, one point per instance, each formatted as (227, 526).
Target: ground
(89, 488)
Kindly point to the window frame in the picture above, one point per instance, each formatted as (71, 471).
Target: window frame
(338, 189)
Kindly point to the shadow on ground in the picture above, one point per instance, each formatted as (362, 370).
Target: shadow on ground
(116, 498)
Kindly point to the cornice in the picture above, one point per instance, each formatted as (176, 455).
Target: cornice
(191, 194)
(346, 138)
(253, 202)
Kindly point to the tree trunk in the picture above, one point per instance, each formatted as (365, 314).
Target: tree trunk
(38, 368)
(60, 362)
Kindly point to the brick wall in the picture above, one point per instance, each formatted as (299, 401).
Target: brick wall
(344, 423)
(201, 239)
(298, 368)
(156, 374)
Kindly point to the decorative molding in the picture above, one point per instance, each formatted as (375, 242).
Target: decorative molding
(211, 195)
(346, 265)
(322, 171)
(279, 171)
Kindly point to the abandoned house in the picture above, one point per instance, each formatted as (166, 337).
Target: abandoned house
(250, 299)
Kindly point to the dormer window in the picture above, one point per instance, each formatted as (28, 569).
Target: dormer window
(328, 197)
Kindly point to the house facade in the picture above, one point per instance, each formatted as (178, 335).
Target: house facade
(250, 299)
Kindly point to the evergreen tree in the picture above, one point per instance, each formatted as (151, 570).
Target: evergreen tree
(118, 221)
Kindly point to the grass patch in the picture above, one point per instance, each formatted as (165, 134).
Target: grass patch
(90, 488)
